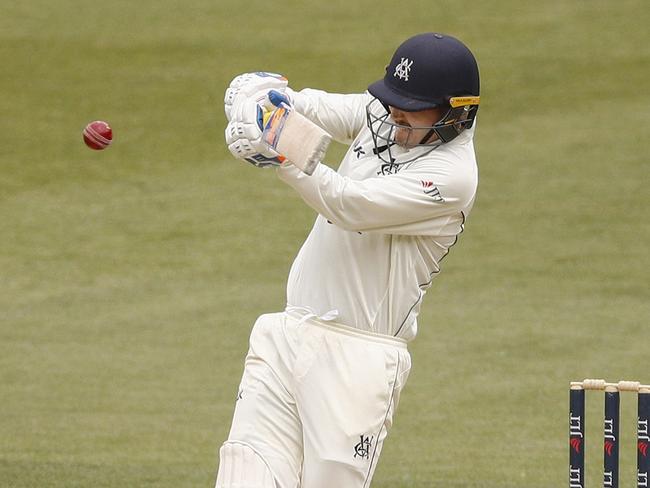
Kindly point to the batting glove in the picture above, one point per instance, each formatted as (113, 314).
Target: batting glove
(254, 86)
(244, 136)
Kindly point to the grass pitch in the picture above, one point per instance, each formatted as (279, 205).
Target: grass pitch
(130, 278)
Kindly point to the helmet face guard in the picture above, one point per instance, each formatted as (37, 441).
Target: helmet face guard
(460, 116)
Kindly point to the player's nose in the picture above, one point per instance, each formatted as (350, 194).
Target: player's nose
(398, 116)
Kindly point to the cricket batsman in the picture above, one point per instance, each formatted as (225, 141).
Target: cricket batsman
(322, 379)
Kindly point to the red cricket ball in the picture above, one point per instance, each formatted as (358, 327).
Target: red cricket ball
(98, 135)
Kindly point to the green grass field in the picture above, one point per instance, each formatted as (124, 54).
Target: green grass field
(130, 278)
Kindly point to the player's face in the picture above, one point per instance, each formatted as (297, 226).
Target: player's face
(416, 125)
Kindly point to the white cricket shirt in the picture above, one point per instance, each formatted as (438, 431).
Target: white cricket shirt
(382, 229)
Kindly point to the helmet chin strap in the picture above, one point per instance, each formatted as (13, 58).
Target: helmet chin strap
(450, 125)
(427, 136)
(433, 130)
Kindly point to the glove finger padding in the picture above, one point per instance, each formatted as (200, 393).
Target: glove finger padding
(244, 136)
(254, 86)
(240, 130)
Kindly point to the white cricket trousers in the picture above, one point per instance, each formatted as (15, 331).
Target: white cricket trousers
(317, 399)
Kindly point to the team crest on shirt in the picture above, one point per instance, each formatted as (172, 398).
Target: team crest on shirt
(362, 449)
(432, 190)
(403, 69)
(389, 169)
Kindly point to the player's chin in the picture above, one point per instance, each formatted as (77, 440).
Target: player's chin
(402, 139)
(404, 143)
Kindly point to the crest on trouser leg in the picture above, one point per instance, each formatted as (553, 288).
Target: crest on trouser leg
(362, 449)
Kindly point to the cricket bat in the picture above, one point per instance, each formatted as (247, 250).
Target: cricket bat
(296, 138)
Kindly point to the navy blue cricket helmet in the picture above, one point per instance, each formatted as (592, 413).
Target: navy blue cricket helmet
(428, 71)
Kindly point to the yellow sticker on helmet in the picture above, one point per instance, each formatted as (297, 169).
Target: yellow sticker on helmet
(463, 101)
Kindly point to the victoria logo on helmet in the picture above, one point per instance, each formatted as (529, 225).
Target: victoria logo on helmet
(403, 69)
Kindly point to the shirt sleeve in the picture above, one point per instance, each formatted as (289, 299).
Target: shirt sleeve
(341, 116)
(405, 203)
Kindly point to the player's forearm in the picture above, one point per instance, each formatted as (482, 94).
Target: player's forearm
(363, 206)
(342, 116)
(320, 191)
